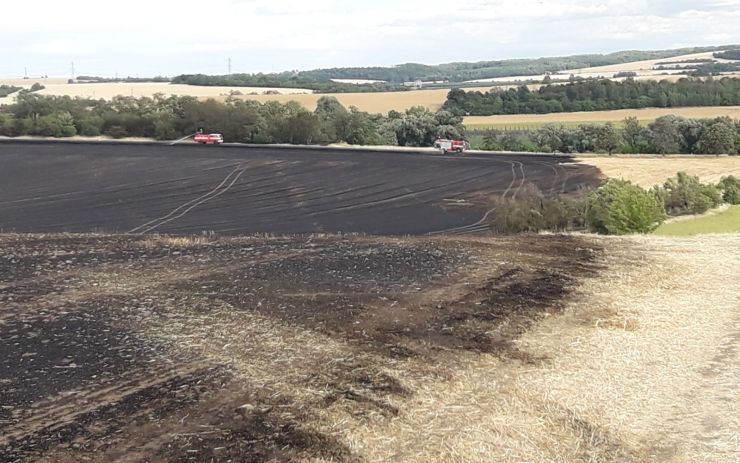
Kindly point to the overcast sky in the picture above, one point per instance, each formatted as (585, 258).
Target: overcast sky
(146, 38)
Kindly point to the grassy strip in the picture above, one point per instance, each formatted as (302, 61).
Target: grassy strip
(725, 222)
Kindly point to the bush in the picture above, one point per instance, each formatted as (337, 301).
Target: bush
(116, 131)
(6, 90)
(6, 126)
(531, 211)
(730, 187)
(685, 194)
(620, 208)
(55, 125)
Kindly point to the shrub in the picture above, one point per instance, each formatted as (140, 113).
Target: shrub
(116, 131)
(620, 208)
(685, 194)
(6, 126)
(55, 125)
(531, 211)
(730, 187)
(6, 90)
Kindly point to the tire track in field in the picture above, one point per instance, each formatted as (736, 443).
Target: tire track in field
(372, 194)
(481, 224)
(183, 209)
(521, 184)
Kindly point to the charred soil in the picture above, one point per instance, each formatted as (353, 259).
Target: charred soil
(251, 349)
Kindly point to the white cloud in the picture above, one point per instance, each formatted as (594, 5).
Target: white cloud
(169, 37)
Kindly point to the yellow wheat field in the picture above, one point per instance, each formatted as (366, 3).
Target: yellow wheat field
(370, 102)
(108, 90)
(646, 114)
(647, 171)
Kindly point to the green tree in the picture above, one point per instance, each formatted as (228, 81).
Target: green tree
(685, 194)
(357, 128)
(6, 125)
(718, 137)
(417, 127)
(619, 208)
(551, 137)
(586, 136)
(607, 138)
(634, 136)
(730, 187)
(300, 129)
(330, 112)
(664, 135)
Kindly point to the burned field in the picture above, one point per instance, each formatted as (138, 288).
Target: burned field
(148, 188)
(254, 349)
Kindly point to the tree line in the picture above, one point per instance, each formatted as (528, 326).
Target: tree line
(169, 118)
(596, 95)
(6, 90)
(283, 80)
(616, 208)
(665, 135)
(728, 54)
(461, 72)
(391, 77)
(129, 79)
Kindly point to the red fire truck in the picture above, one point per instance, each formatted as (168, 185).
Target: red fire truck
(451, 146)
(209, 138)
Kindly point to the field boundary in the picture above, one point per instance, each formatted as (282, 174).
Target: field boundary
(332, 148)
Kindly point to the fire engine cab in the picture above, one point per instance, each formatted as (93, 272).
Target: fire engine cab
(451, 146)
(209, 138)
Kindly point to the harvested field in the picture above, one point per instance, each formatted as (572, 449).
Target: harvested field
(184, 189)
(31, 81)
(639, 66)
(530, 348)
(370, 102)
(382, 102)
(647, 171)
(645, 115)
(108, 90)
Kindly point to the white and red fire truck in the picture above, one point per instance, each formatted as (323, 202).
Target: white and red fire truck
(451, 146)
(208, 138)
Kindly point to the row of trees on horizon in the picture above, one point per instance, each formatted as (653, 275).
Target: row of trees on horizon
(665, 135)
(169, 118)
(596, 95)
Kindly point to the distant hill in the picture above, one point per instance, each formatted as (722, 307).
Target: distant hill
(395, 76)
(461, 72)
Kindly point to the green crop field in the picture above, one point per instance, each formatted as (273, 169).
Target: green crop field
(727, 221)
